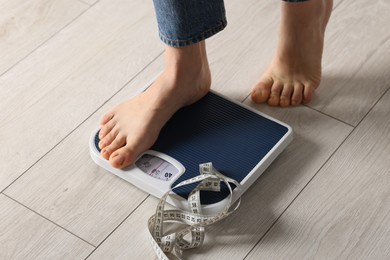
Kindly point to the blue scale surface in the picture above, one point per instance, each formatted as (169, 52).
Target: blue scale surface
(217, 130)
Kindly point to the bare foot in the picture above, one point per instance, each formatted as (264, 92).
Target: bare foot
(295, 71)
(133, 126)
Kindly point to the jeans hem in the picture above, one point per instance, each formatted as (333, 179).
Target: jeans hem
(200, 37)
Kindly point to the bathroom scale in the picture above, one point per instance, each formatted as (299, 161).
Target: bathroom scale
(239, 141)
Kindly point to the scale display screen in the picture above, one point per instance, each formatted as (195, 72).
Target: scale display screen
(156, 167)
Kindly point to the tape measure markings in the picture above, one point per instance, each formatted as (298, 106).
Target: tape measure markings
(209, 179)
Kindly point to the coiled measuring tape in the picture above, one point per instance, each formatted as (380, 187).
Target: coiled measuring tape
(210, 180)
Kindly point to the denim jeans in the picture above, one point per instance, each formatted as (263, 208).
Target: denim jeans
(185, 22)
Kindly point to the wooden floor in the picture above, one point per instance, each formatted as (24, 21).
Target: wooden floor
(64, 63)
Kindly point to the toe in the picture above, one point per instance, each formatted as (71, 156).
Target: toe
(308, 93)
(115, 145)
(285, 97)
(105, 153)
(107, 140)
(297, 94)
(276, 90)
(106, 118)
(262, 91)
(106, 129)
(123, 157)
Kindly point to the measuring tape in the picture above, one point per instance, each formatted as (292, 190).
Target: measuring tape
(196, 222)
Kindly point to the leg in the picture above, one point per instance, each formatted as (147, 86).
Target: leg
(295, 71)
(133, 126)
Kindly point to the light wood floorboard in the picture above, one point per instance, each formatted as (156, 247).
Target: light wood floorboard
(356, 60)
(57, 87)
(344, 213)
(68, 188)
(130, 240)
(25, 25)
(26, 235)
(321, 198)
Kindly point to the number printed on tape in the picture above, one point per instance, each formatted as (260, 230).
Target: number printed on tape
(196, 222)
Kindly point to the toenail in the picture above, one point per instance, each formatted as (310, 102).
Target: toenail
(118, 160)
(257, 92)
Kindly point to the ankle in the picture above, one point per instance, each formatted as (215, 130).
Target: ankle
(186, 64)
(309, 15)
(189, 58)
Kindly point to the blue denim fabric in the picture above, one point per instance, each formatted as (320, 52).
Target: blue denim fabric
(185, 22)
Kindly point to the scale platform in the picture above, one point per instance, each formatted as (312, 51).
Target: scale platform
(239, 141)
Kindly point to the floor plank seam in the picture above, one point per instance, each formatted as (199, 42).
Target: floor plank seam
(294, 226)
(44, 155)
(288, 206)
(330, 116)
(335, 118)
(48, 39)
(147, 196)
(245, 98)
(372, 107)
(299, 193)
(39, 159)
(48, 220)
(66, 136)
(84, 2)
(128, 82)
(337, 5)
